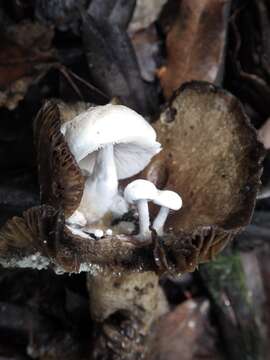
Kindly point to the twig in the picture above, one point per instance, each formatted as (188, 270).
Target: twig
(90, 86)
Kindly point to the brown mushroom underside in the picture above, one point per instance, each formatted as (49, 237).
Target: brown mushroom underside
(210, 157)
(60, 178)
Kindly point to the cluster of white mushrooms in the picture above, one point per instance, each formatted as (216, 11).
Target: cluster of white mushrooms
(142, 191)
(110, 143)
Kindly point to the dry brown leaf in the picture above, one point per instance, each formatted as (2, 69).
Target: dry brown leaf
(195, 44)
(185, 333)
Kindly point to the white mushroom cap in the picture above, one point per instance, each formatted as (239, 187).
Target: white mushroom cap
(168, 199)
(139, 190)
(133, 138)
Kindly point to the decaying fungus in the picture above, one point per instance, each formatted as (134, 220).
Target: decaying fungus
(210, 156)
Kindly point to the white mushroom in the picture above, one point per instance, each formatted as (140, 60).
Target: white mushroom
(109, 232)
(140, 192)
(77, 218)
(167, 200)
(119, 207)
(109, 142)
(98, 233)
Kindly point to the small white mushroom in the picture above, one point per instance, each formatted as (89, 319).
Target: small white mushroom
(109, 142)
(139, 192)
(98, 233)
(109, 232)
(167, 200)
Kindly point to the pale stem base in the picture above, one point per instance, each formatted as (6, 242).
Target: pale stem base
(144, 221)
(160, 220)
(100, 187)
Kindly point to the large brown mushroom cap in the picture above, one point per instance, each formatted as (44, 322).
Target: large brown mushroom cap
(210, 156)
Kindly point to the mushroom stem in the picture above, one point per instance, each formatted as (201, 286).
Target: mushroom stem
(105, 166)
(160, 220)
(144, 221)
(101, 187)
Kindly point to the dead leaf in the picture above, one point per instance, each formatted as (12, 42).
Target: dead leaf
(146, 12)
(185, 333)
(195, 44)
(63, 14)
(113, 65)
(264, 134)
(146, 45)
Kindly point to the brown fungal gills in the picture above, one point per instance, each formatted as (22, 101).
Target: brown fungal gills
(60, 178)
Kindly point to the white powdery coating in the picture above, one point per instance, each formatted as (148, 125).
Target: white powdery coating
(90, 268)
(35, 261)
(39, 262)
(93, 269)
